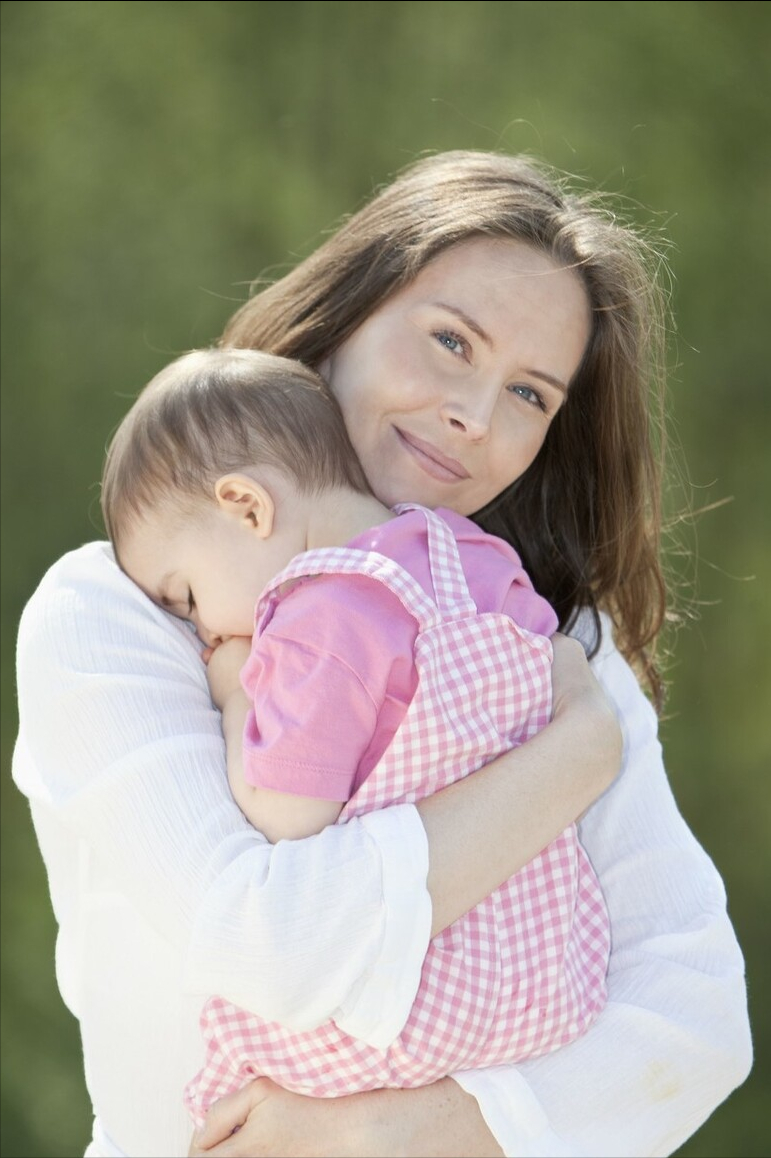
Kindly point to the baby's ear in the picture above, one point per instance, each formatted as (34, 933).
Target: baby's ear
(247, 501)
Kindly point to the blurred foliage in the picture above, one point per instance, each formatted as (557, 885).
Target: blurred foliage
(158, 156)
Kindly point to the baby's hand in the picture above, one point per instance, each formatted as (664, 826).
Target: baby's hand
(223, 668)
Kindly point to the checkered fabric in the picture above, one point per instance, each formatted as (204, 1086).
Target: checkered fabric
(519, 975)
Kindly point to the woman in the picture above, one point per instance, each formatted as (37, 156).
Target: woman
(468, 379)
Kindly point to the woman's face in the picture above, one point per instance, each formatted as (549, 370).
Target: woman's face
(449, 387)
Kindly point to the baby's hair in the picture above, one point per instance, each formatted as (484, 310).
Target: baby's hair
(213, 412)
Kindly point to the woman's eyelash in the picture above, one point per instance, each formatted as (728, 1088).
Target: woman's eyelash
(190, 601)
(535, 400)
(444, 337)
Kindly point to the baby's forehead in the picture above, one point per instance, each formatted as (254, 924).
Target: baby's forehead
(147, 551)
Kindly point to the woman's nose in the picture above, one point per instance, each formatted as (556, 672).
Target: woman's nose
(470, 416)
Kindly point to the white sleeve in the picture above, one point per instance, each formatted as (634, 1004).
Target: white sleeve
(674, 1039)
(120, 744)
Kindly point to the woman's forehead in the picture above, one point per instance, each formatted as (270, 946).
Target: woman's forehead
(496, 276)
(483, 262)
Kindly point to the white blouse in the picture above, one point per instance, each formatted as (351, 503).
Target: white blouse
(164, 894)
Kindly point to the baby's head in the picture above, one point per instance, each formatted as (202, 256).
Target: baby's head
(215, 412)
(205, 447)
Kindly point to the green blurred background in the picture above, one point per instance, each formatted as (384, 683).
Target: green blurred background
(158, 156)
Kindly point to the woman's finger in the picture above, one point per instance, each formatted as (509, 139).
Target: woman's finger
(228, 1114)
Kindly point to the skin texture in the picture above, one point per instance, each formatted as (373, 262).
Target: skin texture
(359, 1126)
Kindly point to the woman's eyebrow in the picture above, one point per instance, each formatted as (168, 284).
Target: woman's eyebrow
(462, 316)
(548, 378)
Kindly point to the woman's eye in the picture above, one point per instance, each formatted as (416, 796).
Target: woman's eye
(529, 395)
(452, 342)
(190, 601)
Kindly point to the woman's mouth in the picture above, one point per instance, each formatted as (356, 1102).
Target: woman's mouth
(432, 461)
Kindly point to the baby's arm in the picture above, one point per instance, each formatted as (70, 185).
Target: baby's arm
(278, 815)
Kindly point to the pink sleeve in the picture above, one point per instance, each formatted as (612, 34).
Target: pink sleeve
(311, 723)
(329, 680)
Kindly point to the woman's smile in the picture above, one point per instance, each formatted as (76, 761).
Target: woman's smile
(431, 460)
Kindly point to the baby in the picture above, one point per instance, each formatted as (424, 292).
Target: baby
(392, 652)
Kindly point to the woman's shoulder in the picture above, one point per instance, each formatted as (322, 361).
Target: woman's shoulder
(614, 673)
(89, 566)
(77, 587)
(595, 635)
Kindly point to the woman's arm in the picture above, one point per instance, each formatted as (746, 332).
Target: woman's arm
(525, 799)
(121, 751)
(674, 1040)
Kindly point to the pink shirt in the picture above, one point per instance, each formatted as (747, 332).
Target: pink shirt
(333, 672)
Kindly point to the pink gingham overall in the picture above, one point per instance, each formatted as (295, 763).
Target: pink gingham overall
(519, 975)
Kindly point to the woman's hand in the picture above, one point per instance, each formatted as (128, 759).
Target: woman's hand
(436, 1121)
(223, 668)
(577, 695)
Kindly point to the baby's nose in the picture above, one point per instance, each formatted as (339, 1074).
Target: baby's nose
(211, 638)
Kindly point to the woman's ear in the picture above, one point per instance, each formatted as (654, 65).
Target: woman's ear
(247, 501)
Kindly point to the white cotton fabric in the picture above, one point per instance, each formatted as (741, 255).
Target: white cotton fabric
(164, 894)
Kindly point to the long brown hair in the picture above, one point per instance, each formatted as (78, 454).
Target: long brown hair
(586, 515)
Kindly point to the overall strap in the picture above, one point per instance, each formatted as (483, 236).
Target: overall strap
(449, 579)
(351, 561)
